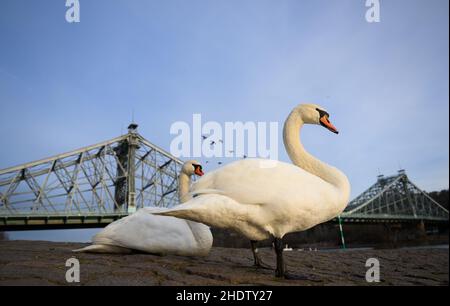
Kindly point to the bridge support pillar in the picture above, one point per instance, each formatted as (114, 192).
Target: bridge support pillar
(120, 183)
(125, 186)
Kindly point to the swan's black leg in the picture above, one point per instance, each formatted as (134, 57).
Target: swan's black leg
(278, 245)
(281, 268)
(257, 260)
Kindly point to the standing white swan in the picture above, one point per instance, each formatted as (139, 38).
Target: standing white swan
(260, 199)
(150, 233)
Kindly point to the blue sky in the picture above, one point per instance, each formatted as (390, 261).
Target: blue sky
(64, 86)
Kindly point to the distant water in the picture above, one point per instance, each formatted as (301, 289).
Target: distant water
(439, 246)
(67, 235)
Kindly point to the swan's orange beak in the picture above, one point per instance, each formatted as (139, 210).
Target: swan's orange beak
(198, 171)
(326, 123)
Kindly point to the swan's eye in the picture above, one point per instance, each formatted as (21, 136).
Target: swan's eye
(323, 121)
(322, 113)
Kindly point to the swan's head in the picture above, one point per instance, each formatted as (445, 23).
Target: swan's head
(315, 114)
(192, 167)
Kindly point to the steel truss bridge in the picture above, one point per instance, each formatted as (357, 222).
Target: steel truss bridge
(88, 187)
(394, 199)
(95, 185)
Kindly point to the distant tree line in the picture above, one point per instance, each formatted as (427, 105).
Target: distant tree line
(441, 197)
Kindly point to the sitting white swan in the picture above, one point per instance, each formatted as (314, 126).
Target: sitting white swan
(260, 199)
(154, 234)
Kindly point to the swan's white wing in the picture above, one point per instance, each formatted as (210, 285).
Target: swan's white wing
(156, 234)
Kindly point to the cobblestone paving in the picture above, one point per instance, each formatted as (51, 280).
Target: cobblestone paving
(43, 263)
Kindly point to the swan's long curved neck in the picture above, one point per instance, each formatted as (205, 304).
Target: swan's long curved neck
(301, 158)
(184, 182)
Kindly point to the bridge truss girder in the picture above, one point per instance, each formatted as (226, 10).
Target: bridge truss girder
(112, 177)
(395, 197)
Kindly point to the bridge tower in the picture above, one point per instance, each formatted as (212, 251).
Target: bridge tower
(125, 185)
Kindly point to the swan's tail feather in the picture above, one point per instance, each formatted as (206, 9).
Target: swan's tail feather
(183, 212)
(207, 209)
(103, 248)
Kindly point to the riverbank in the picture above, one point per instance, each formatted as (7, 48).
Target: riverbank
(43, 263)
